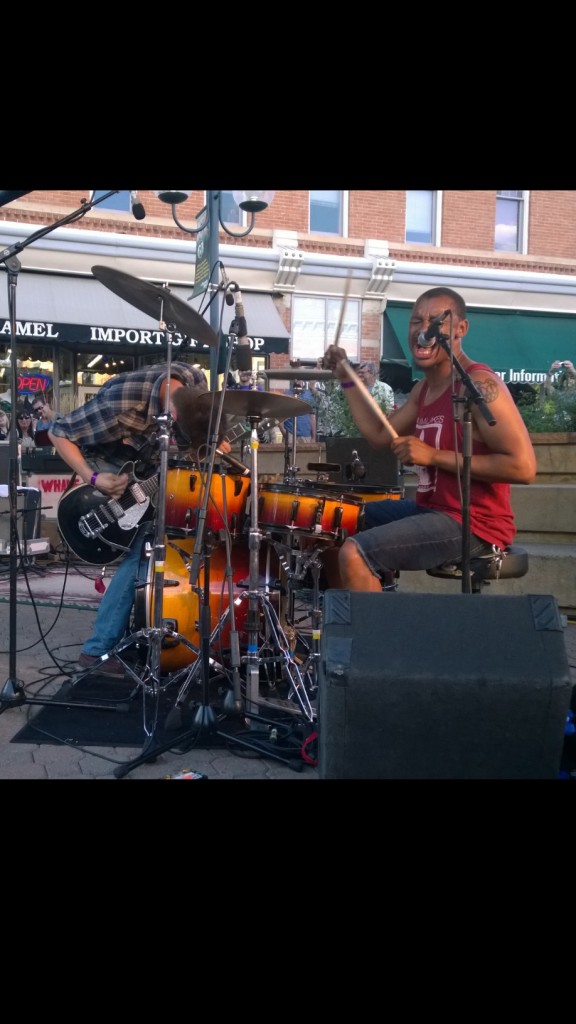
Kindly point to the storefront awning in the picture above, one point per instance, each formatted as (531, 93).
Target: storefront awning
(519, 346)
(77, 307)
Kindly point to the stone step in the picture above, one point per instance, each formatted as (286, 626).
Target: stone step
(552, 570)
(545, 508)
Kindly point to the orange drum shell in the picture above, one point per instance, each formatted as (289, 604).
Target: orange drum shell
(185, 492)
(310, 510)
(181, 604)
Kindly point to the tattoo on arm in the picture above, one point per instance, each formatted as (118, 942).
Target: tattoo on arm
(488, 390)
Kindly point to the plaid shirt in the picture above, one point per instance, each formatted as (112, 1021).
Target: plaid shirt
(125, 407)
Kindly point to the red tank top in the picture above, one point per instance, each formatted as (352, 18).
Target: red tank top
(491, 516)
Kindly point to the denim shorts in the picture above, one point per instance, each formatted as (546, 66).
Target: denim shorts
(400, 535)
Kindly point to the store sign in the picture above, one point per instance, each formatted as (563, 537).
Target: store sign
(85, 334)
(51, 487)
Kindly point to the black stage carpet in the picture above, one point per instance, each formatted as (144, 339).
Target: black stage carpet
(127, 718)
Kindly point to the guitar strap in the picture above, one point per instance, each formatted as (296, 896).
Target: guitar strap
(71, 482)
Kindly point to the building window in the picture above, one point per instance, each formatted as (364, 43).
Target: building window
(314, 323)
(120, 201)
(326, 211)
(422, 216)
(510, 212)
(230, 212)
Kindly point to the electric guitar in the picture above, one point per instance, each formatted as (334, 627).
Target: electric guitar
(98, 529)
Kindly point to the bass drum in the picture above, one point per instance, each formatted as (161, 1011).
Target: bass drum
(181, 603)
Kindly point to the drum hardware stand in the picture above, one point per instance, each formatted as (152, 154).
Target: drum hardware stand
(204, 718)
(259, 602)
(290, 467)
(232, 701)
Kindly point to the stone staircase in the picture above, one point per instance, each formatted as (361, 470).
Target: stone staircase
(545, 516)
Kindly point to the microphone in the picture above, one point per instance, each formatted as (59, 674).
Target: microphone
(227, 285)
(243, 352)
(242, 469)
(426, 338)
(297, 363)
(136, 207)
(357, 469)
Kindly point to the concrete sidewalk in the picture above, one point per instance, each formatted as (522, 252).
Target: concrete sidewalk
(54, 612)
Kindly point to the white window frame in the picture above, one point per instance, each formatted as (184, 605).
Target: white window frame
(344, 204)
(436, 223)
(312, 333)
(522, 221)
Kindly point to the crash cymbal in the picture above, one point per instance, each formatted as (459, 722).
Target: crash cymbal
(255, 403)
(158, 303)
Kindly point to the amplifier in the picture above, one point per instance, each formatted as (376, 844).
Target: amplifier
(28, 501)
(360, 463)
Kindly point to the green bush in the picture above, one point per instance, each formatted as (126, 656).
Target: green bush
(551, 414)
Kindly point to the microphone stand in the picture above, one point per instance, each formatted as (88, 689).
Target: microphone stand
(12, 694)
(473, 395)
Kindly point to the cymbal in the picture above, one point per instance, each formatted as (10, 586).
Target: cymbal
(255, 403)
(157, 302)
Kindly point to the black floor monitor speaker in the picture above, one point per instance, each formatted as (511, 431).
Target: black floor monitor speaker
(378, 466)
(444, 686)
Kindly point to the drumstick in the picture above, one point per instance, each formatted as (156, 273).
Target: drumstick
(353, 376)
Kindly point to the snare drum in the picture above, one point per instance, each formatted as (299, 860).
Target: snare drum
(185, 488)
(309, 511)
(180, 602)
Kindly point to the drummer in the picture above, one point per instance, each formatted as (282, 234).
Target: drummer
(118, 426)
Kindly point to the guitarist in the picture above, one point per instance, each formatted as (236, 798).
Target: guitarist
(119, 425)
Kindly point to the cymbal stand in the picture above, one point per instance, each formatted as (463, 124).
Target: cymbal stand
(259, 602)
(296, 566)
(290, 467)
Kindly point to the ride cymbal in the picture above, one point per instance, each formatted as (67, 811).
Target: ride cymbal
(157, 302)
(255, 404)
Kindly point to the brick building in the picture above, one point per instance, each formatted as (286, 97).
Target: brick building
(511, 254)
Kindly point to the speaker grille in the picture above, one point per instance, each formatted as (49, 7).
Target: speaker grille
(421, 686)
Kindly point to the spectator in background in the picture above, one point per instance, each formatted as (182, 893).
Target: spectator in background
(4, 425)
(335, 412)
(320, 392)
(248, 381)
(24, 429)
(306, 423)
(43, 422)
(565, 377)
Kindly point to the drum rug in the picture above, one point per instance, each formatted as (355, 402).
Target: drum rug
(127, 716)
(124, 716)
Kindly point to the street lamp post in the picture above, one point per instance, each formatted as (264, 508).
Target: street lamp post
(209, 220)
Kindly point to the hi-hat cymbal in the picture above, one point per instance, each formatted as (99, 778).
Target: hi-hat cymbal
(255, 403)
(158, 303)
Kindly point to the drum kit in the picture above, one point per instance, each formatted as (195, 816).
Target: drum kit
(237, 597)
